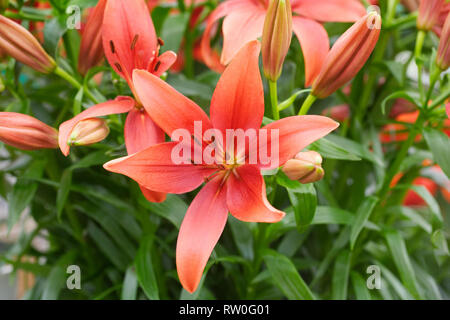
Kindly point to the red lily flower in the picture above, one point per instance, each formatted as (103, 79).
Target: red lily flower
(129, 42)
(244, 21)
(232, 185)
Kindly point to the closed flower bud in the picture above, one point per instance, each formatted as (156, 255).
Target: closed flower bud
(26, 133)
(443, 54)
(88, 132)
(348, 55)
(411, 5)
(276, 38)
(429, 11)
(306, 167)
(19, 43)
(91, 48)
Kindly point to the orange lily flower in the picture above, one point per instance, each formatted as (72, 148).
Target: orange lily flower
(244, 21)
(130, 42)
(233, 183)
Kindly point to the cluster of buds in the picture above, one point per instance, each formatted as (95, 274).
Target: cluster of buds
(19, 43)
(348, 55)
(306, 167)
(276, 37)
(88, 132)
(429, 11)
(26, 133)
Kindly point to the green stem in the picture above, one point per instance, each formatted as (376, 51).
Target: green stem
(433, 79)
(63, 74)
(417, 54)
(307, 104)
(274, 99)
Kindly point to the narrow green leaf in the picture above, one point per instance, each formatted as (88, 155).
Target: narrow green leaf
(57, 278)
(341, 274)
(286, 277)
(400, 256)
(145, 270)
(24, 190)
(360, 287)
(173, 209)
(331, 150)
(439, 144)
(362, 215)
(130, 285)
(243, 237)
(63, 191)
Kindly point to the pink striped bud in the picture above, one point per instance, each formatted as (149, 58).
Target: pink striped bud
(26, 133)
(443, 54)
(348, 55)
(91, 48)
(19, 43)
(306, 167)
(339, 113)
(429, 11)
(276, 38)
(411, 5)
(88, 132)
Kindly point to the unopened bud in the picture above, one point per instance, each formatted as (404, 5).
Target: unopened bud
(429, 11)
(91, 48)
(411, 5)
(276, 38)
(443, 54)
(26, 133)
(348, 55)
(339, 113)
(306, 167)
(88, 132)
(19, 43)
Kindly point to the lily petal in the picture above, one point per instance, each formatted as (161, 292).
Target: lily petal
(119, 105)
(209, 56)
(295, 133)
(167, 107)
(201, 229)
(129, 37)
(447, 108)
(165, 61)
(238, 101)
(140, 133)
(240, 27)
(315, 45)
(246, 196)
(330, 10)
(154, 169)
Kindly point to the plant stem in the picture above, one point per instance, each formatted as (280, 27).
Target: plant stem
(417, 54)
(274, 99)
(307, 104)
(63, 74)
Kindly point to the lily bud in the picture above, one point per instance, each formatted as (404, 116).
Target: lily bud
(26, 133)
(411, 5)
(91, 48)
(88, 132)
(348, 55)
(443, 54)
(276, 37)
(306, 167)
(429, 11)
(19, 43)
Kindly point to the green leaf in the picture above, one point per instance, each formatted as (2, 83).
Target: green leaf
(24, 190)
(54, 29)
(331, 215)
(190, 87)
(130, 285)
(360, 287)
(173, 209)
(355, 148)
(173, 31)
(341, 274)
(440, 242)
(57, 278)
(92, 159)
(410, 96)
(63, 191)
(362, 216)
(303, 198)
(243, 237)
(331, 150)
(107, 246)
(145, 270)
(286, 277)
(439, 144)
(400, 256)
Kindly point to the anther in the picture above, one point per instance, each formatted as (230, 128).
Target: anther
(118, 66)
(158, 64)
(111, 44)
(133, 43)
(160, 41)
